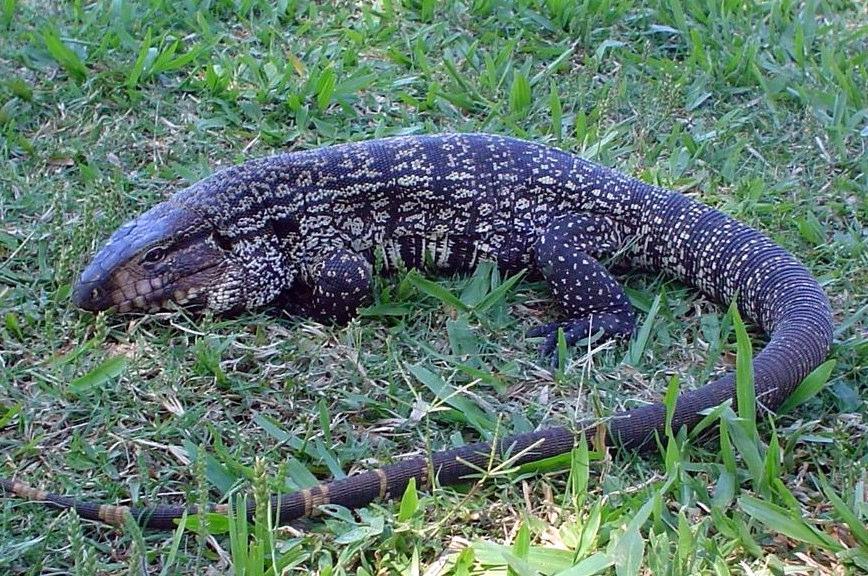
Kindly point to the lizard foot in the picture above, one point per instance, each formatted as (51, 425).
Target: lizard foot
(606, 325)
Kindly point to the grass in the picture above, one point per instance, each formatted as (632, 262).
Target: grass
(106, 107)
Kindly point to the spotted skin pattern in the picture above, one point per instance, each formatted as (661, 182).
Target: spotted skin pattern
(592, 299)
(305, 228)
(343, 284)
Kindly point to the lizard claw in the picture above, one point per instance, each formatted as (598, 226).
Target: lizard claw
(542, 330)
(574, 331)
(598, 325)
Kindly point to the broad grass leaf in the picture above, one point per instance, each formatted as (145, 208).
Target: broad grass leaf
(744, 382)
(499, 294)
(10, 413)
(169, 560)
(520, 94)
(299, 475)
(857, 527)
(521, 546)
(810, 386)
(629, 550)
(628, 553)
(466, 408)
(540, 558)
(462, 340)
(385, 309)
(409, 502)
(437, 291)
(478, 285)
(64, 55)
(637, 346)
(325, 88)
(215, 523)
(589, 566)
(107, 370)
(785, 522)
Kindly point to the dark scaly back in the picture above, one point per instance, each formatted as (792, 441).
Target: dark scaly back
(257, 207)
(451, 198)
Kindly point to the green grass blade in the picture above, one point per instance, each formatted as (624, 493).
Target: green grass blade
(521, 545)
(557, 112)
(744, 384)
(325, 88)
(172, 556)
(589, 566)
(520, 94)
(7, 13)
(466, 409)
(499, 294)
(786, 522)
(580, 471)
(437, 291)
(640, 343)
(135, 72)
(479, 284)
(108, 370)
(409, 502)
(64, 55)
(325, 421)
(810, 387)
(856, 525)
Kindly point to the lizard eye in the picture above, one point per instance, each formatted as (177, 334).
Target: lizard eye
(154, 255)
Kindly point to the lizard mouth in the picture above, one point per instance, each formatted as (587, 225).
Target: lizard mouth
(126, 298)
(123, 294)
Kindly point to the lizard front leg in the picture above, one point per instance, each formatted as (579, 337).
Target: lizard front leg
(592, 299)
(341, 283)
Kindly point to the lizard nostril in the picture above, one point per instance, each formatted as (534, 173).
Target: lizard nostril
(87, 296)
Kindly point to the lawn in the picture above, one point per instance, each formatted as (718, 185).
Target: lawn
(760, 109)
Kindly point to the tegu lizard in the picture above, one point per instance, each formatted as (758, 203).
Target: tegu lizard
(303, 230)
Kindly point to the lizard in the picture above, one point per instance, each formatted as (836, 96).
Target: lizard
(303, 230)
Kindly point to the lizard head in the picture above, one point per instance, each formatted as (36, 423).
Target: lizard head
(168, 256)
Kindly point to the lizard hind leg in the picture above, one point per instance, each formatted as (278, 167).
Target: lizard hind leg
(341, 285)
(591, 298)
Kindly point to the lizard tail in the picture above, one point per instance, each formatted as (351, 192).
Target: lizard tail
(160, 516)
(720, 256)
(727, 260)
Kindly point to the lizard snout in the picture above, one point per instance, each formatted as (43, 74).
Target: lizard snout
(89, 296)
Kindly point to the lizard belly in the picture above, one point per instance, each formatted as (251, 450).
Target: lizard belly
(441, 252)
